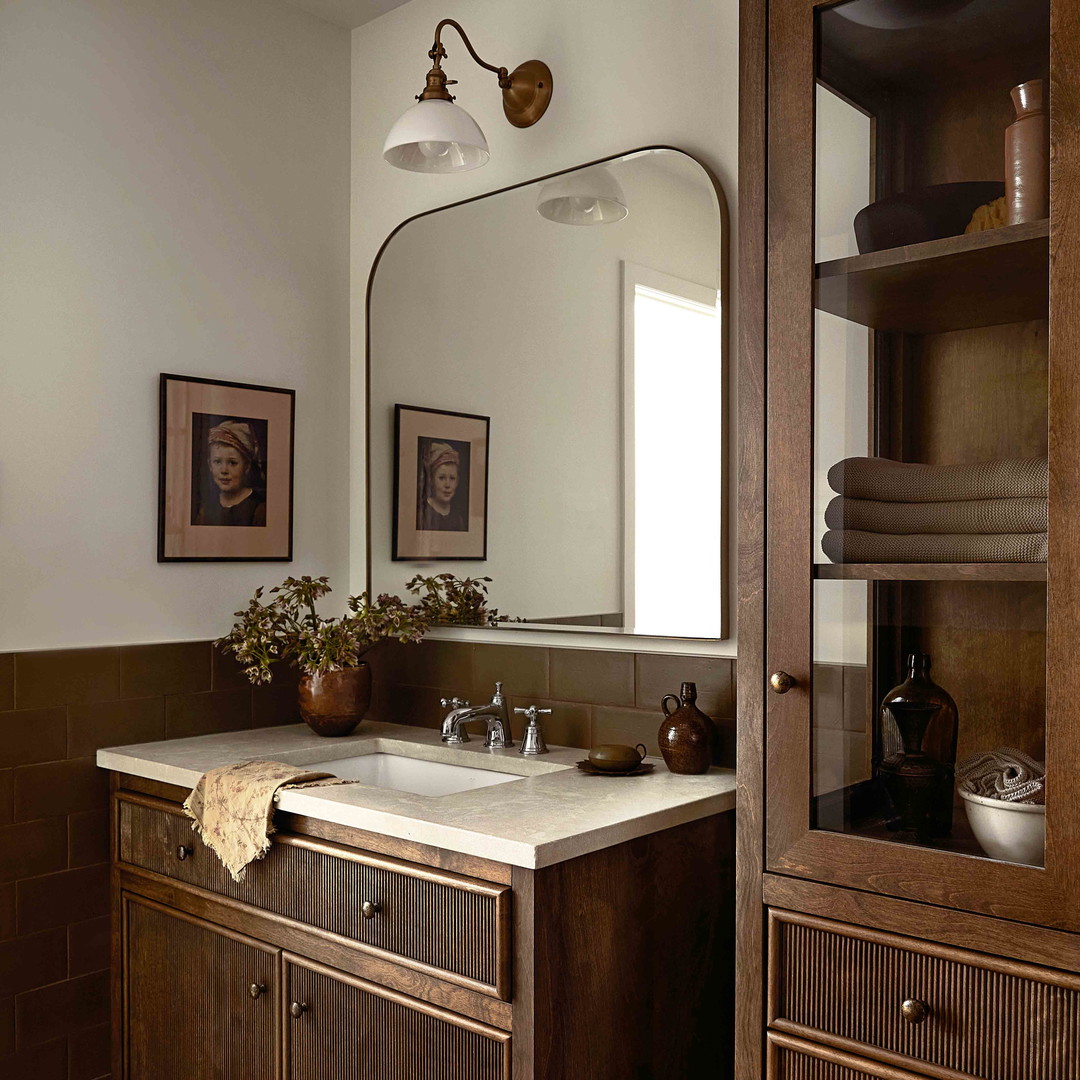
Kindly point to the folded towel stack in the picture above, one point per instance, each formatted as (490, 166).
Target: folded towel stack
(892, 511)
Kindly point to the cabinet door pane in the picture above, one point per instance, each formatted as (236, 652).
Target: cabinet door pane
(338, 1028)
(191, 1012)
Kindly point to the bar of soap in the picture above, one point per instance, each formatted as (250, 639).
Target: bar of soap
(988, 216)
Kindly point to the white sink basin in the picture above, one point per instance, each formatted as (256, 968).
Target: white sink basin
(401, 773)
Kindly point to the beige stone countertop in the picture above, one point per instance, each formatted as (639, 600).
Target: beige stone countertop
(553, 813)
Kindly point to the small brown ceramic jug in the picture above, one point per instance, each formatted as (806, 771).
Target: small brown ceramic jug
(685, 736)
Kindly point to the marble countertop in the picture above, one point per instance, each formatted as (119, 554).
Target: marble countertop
(555, 812)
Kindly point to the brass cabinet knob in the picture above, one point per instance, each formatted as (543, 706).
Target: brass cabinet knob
(297, 1009)
(255, 989)
(370, 908)
(183, 853)
(914, 1011)
(781, 682)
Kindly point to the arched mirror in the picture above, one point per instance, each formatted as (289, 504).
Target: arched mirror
(547, 404)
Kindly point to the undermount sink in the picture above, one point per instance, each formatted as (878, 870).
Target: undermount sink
(400, 773)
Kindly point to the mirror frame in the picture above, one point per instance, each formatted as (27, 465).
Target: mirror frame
(589, 636)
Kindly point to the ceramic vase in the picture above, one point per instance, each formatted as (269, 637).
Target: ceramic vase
(939, 740)
(686, 735)
(334, 703)
(1027, 156)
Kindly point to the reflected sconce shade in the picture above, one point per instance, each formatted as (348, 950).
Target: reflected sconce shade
(590, 197)
(437, 136)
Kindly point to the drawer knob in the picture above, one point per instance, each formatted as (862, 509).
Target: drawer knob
(256, 989)
(781, 682)
(297, 1009)
(183, 853)
(370, 908)
(914, 1011)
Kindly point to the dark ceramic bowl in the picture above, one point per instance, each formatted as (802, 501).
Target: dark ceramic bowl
(899, 14)
(928, 213)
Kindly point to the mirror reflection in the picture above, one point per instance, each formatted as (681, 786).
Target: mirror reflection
(546, 403)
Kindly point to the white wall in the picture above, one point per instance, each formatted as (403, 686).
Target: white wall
(520, 319)
(173, 197)
(626, 73)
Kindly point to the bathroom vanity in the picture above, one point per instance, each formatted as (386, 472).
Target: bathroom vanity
(547, 924)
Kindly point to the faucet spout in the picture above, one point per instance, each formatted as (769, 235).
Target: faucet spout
(495, 714)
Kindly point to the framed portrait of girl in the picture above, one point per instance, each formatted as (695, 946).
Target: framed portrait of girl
(440, 484)
(225, 471)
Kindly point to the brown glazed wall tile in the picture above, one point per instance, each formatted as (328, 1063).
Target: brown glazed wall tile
(7, 910)
(275, 704)
(447, 664)
(48, 1062)
(627, 726)
(7, 796)
(59, 788)
(226, 672)
(202, 714)
(64, 676)
(180, 668)
(569, 724)
(114, 723)
(29, 962)
(88, 837)
(89, 1053)
(31, 735)
(56, 1011)
(58, 899)
(32, 848)
(7, 1027)
(415, 705)
(597, 678)
(88, 946)
(522, 669)
(7, 681)
(659, 674)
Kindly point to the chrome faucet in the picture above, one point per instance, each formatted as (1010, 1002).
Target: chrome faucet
(495, 714)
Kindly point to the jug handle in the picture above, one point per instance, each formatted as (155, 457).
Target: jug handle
(664, 701)
(644, 749)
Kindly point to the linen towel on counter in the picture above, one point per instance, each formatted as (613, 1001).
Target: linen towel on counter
(884, 480)
(233, 807)
(854, 546)
(1007, 774)
(1006, 515)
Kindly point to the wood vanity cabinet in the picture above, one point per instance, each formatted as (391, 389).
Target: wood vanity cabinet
(865, 949)
(347, 955)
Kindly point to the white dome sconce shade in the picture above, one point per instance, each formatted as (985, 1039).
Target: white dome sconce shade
(437, 136)
(590, 197)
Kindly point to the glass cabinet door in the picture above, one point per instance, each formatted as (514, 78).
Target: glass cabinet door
(912, 513)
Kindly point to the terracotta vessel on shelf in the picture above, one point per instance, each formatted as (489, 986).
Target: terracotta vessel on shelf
(686, 734)
(1027, 155)
(334, 703)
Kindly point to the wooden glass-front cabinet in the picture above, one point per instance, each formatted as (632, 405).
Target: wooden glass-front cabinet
(909, 487)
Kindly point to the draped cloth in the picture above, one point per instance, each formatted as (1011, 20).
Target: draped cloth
(852, 546)
(885, 480)
(1007, 774)
(964, 516)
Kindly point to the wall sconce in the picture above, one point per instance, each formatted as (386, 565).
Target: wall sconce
(437, 136)
(590, 197)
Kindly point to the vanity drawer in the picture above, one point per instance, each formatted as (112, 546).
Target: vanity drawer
(796, 1059)
(454, 927)
(986, 1017)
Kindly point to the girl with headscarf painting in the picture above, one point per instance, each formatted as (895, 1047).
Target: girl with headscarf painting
(435, 511)
(234, 462)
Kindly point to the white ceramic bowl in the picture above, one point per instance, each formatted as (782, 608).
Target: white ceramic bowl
(1012, 832)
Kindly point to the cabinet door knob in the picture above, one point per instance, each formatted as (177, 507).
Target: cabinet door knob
(297, 1009)
(914, 1011)
(183, 853)
(370, 908)
(781, 682)
(255, 989)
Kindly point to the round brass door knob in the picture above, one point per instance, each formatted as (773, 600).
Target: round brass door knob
(255, 989)
(370, 908)
(914, 1011)
(781, 682)
(297, 1009)
(183, 853)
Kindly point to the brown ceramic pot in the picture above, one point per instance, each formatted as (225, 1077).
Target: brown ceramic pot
(334, 703)
(1027, 156)
(685, 736)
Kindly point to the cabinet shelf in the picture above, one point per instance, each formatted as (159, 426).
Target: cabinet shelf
(930, 571)
(981, 279)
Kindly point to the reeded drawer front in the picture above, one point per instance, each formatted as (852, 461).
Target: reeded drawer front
(988, 1018)
(793, 1059)
(456, 926)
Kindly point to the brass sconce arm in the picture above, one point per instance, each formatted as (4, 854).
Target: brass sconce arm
(438, 53)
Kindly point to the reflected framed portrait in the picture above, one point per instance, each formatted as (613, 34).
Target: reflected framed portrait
(225, 487)
(440, 484)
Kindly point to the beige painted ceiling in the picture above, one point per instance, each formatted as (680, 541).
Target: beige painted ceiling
(347, 13)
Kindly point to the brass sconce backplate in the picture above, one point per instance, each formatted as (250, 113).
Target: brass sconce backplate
(527, 97)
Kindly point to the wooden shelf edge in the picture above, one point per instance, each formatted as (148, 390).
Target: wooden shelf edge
(929, 571)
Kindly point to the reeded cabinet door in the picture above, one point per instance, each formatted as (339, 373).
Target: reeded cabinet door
(199, 1001)
(341, 1028)
(939, 348)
